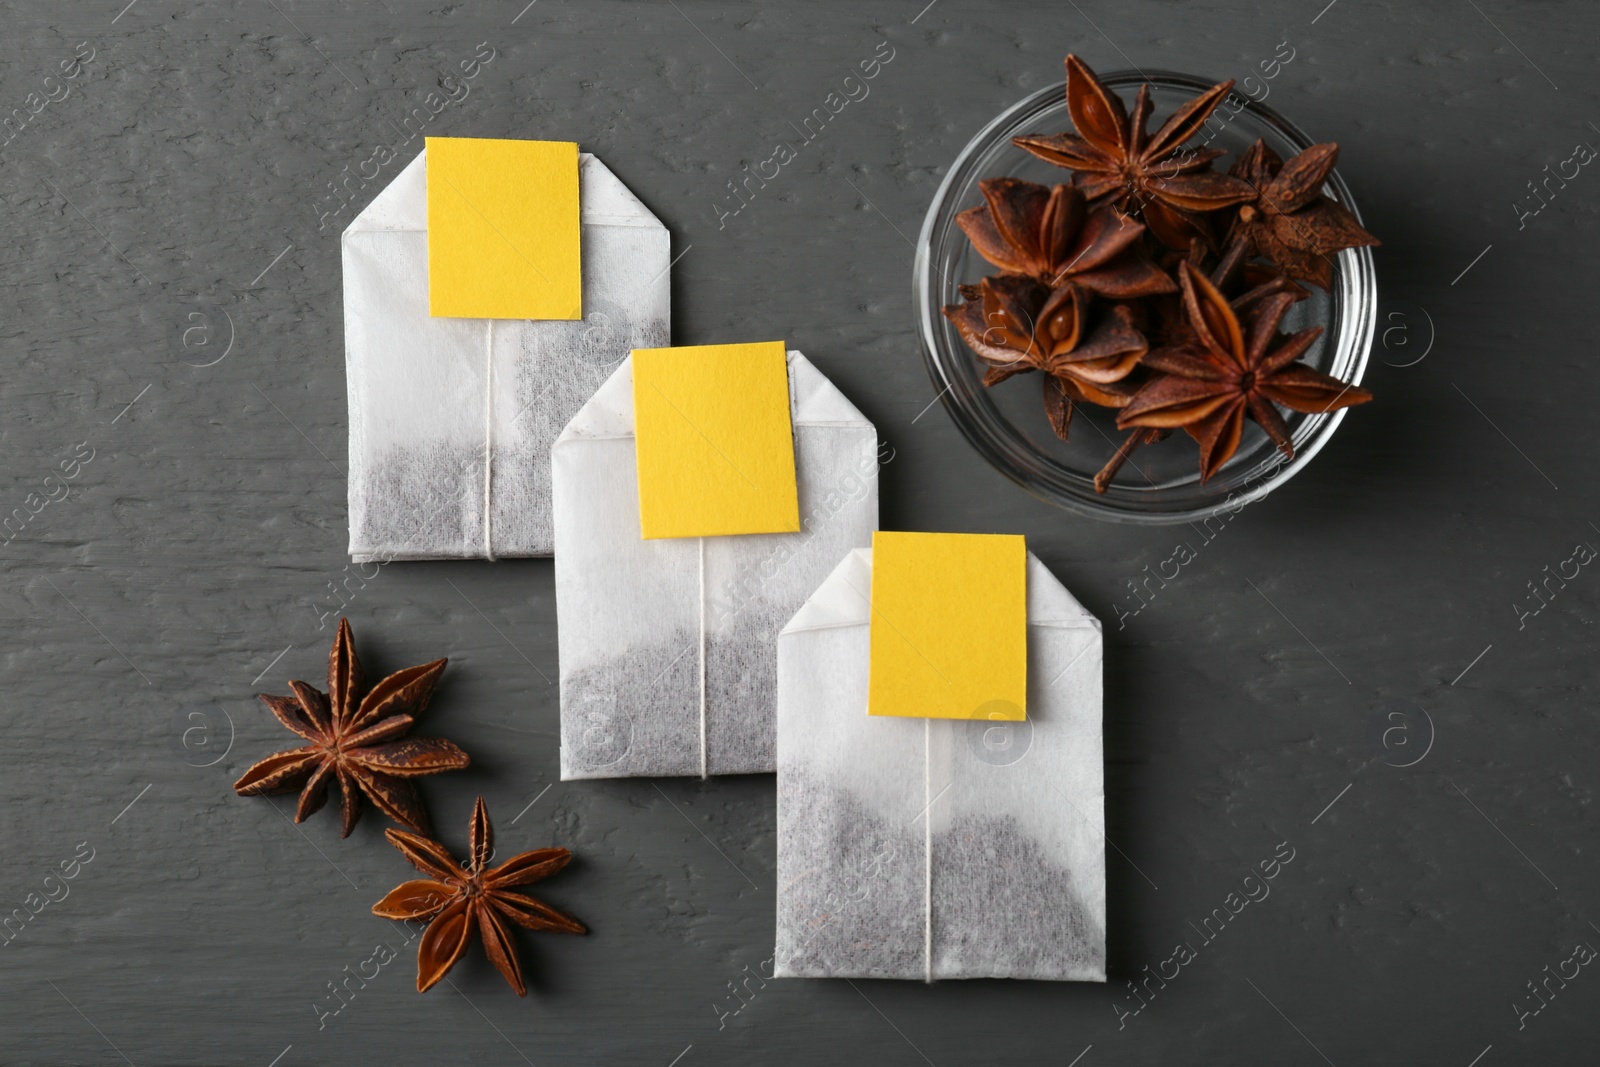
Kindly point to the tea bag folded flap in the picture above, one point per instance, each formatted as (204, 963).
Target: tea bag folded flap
(430, 398)
(938, 848)
(837, 601)
(813, 401)
(402, 206)
(666, 644)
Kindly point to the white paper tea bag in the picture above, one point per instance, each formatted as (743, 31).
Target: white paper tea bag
(667, 645)
(938, 848)
(431, 398)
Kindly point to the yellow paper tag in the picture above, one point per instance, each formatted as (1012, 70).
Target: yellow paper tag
(949, 629)
(503, 229)
(714, 442)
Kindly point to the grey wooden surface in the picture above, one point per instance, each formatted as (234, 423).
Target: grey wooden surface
(170, 261)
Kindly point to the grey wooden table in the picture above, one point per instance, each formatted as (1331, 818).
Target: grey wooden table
(1353, 672)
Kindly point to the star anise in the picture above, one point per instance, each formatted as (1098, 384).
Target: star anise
(456, 900)
(1290, 221)
(1014, 325)
(1244, 283)
(1054, 237)
(1233, 371)
(353, 738)
(1114, 156)
(1085, 294)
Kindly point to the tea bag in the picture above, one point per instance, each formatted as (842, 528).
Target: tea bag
(938, 848)
(433, 400)
(666, 645)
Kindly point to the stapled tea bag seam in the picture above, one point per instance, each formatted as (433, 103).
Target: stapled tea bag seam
(488, 441)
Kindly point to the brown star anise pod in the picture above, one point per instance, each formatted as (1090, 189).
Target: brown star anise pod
(1243, 282)
(1015, 325)
(456, 900)
(1053, 236)
(1290, 221)
(1114, 155)
(353, 738)
(1234, 370)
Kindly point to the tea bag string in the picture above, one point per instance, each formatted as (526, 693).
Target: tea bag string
(927, 850)
(703, 768)
(488, 443)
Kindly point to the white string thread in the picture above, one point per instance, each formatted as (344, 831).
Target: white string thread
(488, 442)
(927, 850)
(703, 768)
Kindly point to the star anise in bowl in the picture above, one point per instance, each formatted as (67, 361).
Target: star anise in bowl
(1153, 284)
(1231, 371)
(1015, 325)
(1114, 156)
(1291, 221)
(1054, 237)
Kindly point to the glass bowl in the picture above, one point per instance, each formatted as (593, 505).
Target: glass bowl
(1007, 424)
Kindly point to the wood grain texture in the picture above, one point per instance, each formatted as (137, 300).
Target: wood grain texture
(170, 260)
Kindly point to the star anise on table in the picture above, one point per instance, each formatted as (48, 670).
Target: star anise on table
(1054, 237)
(457, 900)
(356, 738)
(1290, 221)
(1115, 156)
(1234, 370)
